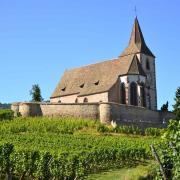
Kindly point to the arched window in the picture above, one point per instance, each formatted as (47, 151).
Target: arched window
(85, 100)
(147, 64)
(133, 94)
(123, 93)
(142, 95)
(76, 101)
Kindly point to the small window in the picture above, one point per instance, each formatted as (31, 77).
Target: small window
(63, 89)
(76, 101)
(82, 85)
(147, 64)
(85, 100)
(59, 101)
(96, 83)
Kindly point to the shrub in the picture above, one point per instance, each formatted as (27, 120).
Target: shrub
(102, 128)
(127, 130)
(153, 131)
(6, 114)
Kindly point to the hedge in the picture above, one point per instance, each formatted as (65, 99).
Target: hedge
(6, 114)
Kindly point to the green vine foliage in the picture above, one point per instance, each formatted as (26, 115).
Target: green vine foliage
(44, 148)
(6, 162)
(169, 150)
(6, 114)
(44, 165)
(153, 132)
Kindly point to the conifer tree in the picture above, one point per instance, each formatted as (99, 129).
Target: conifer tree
(36, 93)
(176, 106)
(165, 107)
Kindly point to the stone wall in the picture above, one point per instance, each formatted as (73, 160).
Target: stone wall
(106, 112)
(140, 116)
(101, 97)
(82, 110)
(114, 93)
(151, 79)
(93, 98)
(65, 99)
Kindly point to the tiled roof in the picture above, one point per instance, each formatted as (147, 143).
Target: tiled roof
(96, 78)
(100, 77)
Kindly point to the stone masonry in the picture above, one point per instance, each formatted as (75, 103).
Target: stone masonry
(105, 112)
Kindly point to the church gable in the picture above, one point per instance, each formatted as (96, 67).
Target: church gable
(135, 67)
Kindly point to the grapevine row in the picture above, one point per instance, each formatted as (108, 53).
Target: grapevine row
(44, 165)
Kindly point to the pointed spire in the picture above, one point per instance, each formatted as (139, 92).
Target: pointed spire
(137, 43)
(136, 35)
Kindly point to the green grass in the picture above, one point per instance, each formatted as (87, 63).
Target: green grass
(134, 173)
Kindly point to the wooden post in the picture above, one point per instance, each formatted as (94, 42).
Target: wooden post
(159, 162)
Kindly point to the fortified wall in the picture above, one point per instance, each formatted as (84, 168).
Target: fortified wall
(105, 112)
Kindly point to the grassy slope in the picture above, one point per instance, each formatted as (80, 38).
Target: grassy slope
(58, 135)
(63, 134)
(134, 173)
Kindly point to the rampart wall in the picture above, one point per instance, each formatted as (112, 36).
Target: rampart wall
(82, 110)
(105, 112)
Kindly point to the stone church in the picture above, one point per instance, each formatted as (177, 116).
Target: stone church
(129, 79)
(122, 90)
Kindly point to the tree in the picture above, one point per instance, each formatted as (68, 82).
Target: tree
(176, 106)
(165, 107)
(35, 92)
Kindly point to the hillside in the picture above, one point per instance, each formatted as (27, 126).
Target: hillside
(5, 106)
(70, 148)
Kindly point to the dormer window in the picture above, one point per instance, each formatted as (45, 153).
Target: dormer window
(63, 89)
(96, 83)
(85, 100)
(82, 85)
(147, 64)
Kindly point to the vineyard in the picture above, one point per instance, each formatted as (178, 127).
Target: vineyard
(54, 148)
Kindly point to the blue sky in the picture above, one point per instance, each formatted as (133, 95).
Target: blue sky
(40, 39)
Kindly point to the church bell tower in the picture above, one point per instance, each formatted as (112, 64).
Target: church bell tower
(137, 46)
